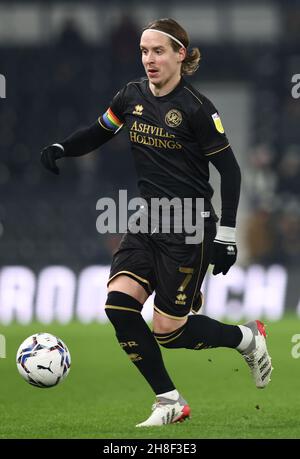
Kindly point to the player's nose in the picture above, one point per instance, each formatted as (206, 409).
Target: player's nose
(149, 59)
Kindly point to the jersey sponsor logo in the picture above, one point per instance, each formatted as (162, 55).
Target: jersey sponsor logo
(138, 110)
(156, 137)
(173, 118)
(154, 142)
(218, 123)
(152, 130)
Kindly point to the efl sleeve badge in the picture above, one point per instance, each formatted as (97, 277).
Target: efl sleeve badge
(218, 123)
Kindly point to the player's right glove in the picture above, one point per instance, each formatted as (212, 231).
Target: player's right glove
(224, 250)
(49, 156)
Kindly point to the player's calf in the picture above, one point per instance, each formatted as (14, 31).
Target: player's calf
(136, 340)
(201, 332)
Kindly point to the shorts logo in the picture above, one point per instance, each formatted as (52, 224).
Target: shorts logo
(218, 123)
(173, 118)
(138, 110)
(181, 298)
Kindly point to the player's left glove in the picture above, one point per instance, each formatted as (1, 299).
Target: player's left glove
(224, 251)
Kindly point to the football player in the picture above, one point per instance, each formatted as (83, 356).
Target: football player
(175, 132)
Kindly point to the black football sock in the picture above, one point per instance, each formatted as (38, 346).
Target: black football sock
(201, 332)
(137, 340)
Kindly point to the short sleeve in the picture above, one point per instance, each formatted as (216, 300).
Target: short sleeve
(208, 129)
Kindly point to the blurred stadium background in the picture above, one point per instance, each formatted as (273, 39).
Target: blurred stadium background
(62, 62)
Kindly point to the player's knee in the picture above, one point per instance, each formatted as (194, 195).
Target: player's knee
(125, 284)
(167, 331)
(163, 324)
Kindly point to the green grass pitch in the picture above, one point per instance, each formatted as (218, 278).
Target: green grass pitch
(104, 396)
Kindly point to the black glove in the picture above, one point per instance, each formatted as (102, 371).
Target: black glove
(49, 155)
(224, 251)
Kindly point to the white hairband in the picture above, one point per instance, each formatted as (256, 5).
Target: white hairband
(169, 35)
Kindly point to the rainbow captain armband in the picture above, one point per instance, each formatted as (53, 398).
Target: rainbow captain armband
(110, 121)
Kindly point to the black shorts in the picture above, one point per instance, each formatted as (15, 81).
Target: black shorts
(165, 263)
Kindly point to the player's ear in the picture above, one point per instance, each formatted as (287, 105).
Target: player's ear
(182, 54)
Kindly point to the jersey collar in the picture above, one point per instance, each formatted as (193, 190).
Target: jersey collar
(166, 96)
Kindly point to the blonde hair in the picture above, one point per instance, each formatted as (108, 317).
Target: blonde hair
(191, 61)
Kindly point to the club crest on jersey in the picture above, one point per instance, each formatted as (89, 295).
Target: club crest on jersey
(138, 110)
(218, 123)
(173, 118)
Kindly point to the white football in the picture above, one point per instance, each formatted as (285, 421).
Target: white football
(43, 360)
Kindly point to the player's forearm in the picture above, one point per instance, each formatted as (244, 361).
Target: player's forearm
(230, 173)
(85, 140)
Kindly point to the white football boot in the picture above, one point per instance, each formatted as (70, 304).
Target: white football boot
(166, 411)
(256, 355)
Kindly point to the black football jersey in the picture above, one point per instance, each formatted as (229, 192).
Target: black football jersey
(172, 138)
